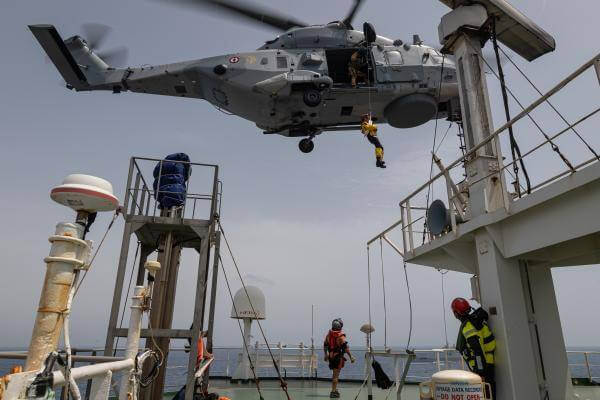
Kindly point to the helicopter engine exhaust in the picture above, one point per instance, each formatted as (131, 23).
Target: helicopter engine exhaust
(410, 111)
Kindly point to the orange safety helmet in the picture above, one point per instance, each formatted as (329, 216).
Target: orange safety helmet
(460, 307)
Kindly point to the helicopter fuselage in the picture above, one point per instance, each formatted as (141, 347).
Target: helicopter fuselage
(295, 85)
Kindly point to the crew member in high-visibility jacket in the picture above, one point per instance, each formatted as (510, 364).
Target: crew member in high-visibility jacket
(475, 341)
(369, 129)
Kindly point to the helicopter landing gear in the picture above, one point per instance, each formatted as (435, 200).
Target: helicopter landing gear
(306, 145)
(312, 97)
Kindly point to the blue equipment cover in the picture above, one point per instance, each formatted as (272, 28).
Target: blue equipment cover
(170, 180)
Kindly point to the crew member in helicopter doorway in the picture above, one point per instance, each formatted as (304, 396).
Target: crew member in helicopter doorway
(369, 129)
(357, 66)
(336, 347)
(475, 341)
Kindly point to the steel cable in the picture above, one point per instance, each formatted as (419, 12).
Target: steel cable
(282, 381)
(429, 189)
(252, 368)
(553, 145)
(550, 104)
(384, 296)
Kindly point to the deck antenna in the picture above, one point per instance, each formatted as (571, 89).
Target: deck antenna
(312, 325)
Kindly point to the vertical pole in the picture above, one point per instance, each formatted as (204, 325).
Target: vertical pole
(490, 193)
(368, 369)
(127, 389)
(66, 254)
(199, 302)
(213, 292)
(410, 227)
(245, 365)
(118, 291)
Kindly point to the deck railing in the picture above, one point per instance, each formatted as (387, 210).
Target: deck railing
(451, 179)
(302, 361)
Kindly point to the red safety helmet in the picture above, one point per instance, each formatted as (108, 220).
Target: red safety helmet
(460, 307)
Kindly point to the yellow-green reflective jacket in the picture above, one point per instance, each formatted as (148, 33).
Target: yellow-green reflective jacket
(485, 338)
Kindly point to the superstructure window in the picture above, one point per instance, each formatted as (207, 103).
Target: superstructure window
(282, 62)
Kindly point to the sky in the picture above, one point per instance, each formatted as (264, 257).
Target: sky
(297, 223)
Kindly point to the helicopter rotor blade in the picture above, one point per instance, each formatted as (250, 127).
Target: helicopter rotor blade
(95, 34)
(352, 13)
(246, 11)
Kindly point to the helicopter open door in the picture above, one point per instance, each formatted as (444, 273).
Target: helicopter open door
(394, 65)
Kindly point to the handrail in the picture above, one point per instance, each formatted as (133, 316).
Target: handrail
(510, 123)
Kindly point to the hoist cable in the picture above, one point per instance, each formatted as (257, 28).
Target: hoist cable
(252, 368)
(369, 291)
(429, 189)
(384, 296)
(282, 381)
(549, 103)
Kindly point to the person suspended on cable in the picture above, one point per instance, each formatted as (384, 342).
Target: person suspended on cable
(336, 347)
(475, 341)
(369, 129)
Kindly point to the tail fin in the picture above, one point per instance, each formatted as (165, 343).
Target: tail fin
(80, 67)
(59, 54)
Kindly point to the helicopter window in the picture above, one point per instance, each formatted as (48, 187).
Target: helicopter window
(271, 41)
(394, 57)
(264, 61)
(425, 58)
(282, 62)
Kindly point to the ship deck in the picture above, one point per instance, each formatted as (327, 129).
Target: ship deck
(310, 390)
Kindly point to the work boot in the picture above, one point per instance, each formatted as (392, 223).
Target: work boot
(334, 395)
(380, 164)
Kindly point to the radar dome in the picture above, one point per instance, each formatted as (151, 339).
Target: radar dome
(243, 307)
(85, 193)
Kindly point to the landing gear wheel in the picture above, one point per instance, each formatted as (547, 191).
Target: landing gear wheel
(312, 97)
(306, 145)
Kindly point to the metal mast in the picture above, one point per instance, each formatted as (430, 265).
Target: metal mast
(169, 232)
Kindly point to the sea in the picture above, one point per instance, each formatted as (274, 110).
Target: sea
(420, 370)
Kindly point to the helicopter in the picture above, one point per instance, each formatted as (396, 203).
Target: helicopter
(298, 84)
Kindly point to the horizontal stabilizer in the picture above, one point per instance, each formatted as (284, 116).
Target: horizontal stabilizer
(55, 48)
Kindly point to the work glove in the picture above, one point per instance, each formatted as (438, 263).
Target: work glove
(352, 359)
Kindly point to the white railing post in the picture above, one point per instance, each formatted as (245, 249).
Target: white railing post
(127, 389)
(410, 227)
(101, 387)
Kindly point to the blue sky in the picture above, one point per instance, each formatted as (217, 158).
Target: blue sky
(298, 223)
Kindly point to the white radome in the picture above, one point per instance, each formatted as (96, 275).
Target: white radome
(456, 376)
(243, 307)
(85, 193)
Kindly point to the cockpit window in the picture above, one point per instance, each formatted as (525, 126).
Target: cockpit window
(394, 57)
(271, 41)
